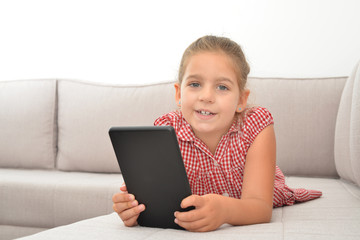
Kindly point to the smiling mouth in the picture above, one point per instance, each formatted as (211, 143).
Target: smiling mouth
(205, 113)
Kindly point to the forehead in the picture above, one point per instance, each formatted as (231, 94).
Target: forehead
(211, 65)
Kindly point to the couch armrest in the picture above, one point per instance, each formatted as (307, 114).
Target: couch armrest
(347, 132)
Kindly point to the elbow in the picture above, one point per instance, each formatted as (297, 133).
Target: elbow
(267, 219)
(267, 215)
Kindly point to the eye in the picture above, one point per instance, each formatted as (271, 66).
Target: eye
(222, 88)
(195, 85)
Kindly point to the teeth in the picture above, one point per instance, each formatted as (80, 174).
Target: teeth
(205, 113)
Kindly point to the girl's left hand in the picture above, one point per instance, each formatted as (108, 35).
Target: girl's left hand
(208, 215)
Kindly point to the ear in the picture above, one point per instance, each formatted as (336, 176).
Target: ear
(243, 101)
(177, 94)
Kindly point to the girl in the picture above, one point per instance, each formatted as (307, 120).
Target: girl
(229, 150)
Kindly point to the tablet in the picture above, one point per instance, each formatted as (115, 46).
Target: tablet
(153, 170)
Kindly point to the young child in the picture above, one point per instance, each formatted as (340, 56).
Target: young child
(229, 150)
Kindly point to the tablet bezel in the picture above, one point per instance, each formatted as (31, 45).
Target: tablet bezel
(150, 161)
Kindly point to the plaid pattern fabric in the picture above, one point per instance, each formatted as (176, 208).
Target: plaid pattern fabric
(222, 173)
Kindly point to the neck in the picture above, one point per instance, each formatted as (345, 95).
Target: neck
(211, 140)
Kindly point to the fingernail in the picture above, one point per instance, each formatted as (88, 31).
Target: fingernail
(176, 221)
(134, 203)
(131, 197)
(141, 207)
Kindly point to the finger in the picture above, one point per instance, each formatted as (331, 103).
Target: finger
(190, 216)
(131, 221)
(195, 226)
(132, 212)
(122, 206)
(122, 197)
(193, 200)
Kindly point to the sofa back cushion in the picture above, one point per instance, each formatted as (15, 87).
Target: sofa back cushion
(28, 124)
(347, 135)
(304, 112)
(88, 110)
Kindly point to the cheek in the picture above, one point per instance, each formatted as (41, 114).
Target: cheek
(230, 104)
(187, 98)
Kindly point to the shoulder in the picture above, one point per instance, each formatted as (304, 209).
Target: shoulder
(177, 121)
(255, 120)
(258, 116)
(169, 119)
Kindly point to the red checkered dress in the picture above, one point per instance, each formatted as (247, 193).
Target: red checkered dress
(222, 173)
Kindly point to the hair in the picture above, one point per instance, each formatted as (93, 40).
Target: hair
(218, 44)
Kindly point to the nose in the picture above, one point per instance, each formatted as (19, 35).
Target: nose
(207, 94)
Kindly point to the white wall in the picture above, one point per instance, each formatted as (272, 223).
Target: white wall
(142, 41)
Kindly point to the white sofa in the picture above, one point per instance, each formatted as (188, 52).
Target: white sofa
(57, 165)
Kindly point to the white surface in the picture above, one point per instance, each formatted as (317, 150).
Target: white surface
(336, 215)
(142, 41)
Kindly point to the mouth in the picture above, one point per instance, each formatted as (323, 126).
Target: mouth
(205, 113)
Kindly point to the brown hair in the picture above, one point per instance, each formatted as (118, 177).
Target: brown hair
(222, 44)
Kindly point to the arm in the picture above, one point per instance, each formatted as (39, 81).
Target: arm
(255, 205)
(258, 183)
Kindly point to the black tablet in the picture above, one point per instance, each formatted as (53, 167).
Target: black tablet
(153, 170)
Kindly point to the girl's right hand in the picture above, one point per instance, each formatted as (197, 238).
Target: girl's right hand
(126, 206)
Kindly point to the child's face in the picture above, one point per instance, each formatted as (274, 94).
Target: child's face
(209, 94)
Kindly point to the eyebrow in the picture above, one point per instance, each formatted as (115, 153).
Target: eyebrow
(220, 79)
(196, 76)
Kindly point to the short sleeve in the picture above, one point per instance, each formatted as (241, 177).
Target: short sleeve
(256, 120)
(169, 119)
(164, 120)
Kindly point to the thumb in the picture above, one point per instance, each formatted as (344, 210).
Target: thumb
(192, 200)
(123, 188)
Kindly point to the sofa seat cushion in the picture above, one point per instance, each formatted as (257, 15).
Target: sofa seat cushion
(46, 199)
(12, 232)
(336, 215)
